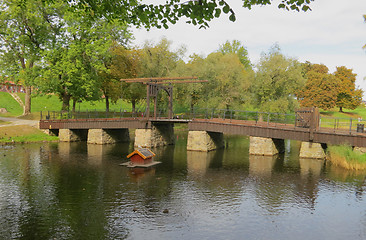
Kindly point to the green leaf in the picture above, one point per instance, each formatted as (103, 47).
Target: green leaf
(232, 17)
(226, 9)
(217, 12)
(281, 5)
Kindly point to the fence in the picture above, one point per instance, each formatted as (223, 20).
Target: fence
(325, 123)
(197, 113)
(342, 124)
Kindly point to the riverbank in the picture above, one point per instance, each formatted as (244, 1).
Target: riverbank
(346, 157)
(13, 130)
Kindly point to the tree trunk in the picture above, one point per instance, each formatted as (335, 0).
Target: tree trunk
(27, 104)
(106, 103)
(65, 102)
(133, 102)
(73, 105)
(341, 109)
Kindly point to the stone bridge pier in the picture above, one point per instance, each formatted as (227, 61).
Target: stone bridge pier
(160, 134)
(94, 136)
(266, 146)
(204, 141)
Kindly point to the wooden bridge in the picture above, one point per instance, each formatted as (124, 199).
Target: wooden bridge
(306, 126)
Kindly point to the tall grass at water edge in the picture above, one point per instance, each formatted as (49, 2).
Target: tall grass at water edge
(344, 156)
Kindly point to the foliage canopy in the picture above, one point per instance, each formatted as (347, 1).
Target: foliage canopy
(197, 12)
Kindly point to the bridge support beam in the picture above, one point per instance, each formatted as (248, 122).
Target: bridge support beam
(204, 141)
(158, 135)
(73, 135)
(266, 146)
(312, 150)
(107, 136)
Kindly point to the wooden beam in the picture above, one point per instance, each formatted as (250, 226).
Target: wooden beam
(193, 81)
(155, 79)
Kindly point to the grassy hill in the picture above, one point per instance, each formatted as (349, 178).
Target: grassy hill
(52, 103)
(9, 103)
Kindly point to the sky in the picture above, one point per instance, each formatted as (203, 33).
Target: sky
(333, 33)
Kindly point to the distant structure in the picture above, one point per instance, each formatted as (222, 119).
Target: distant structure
(9, 86)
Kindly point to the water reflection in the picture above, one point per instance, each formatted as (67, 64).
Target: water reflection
(198, 162)
(96, 152)
(79, 191)
(311, 167)
(261, 165)
(141, 174)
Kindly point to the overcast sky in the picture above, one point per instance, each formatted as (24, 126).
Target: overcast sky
(333, 33)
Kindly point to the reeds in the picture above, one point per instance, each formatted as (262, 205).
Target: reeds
(345, 157)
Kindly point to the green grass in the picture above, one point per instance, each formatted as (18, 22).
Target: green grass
(53, 103)
(23, 134)
(346, 157)
(9, 103)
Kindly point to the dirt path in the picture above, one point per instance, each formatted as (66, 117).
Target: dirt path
(17, 121)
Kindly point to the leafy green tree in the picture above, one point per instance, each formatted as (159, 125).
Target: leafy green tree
(320, 89)
(159, 60)
(189, 95)
(227, 86)
(276, 81)
(24, 33)
(75, 67)
(236, 47)
(126, 64)
(348, 96)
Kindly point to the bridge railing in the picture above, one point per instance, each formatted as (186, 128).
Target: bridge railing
(228, 114)
(342, 124)
(89, 114)
(196, 113)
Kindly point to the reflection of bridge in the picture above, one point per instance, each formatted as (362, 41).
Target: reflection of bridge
(206, 130)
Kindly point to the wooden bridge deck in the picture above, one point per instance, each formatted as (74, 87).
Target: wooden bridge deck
(239, 127)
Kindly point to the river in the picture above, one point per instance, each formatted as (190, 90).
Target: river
(80, 191)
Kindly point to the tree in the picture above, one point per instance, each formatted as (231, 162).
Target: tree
(236, 47)
(126, 64)
(198, 12)
(320, 89)
(348, 96)
(325, 90)
(276, 81)
(75, 66)
(227, 86)
(24, 32)
(189, 95)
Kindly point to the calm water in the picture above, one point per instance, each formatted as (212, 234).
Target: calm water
(79, 191)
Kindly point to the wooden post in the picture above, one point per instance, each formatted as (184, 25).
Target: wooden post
(170, 91)
(147, 101)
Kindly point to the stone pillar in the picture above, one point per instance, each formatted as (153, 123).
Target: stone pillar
(204, 141)
(107, 136)
(72, 135)
(266, 146)
(312, 150)
(51, 132)
(158, 135)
